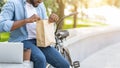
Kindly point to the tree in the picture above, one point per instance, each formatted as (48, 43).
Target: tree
(117, 3)
(75, 3)
(112, 2)
(60, 11)
(51, 6)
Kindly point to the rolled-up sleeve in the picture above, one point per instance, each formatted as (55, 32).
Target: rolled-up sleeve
(6, 17)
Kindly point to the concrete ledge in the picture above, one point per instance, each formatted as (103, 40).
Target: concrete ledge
(25, 64)
(85, 43)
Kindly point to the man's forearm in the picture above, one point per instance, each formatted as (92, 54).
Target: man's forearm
(18, 24)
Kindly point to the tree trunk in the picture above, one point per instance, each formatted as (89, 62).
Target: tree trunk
(75, 17)
(60, 11)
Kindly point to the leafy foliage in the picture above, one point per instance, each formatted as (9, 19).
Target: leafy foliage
(2, 2)
(51, 6)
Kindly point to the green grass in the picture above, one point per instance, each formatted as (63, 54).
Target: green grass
(78, 26)
(68, 23)
(4, 36)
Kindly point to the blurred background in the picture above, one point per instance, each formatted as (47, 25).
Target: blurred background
(91, 13)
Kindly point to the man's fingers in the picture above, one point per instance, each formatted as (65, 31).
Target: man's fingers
(35, 17)
(56, 19)
(53, 17)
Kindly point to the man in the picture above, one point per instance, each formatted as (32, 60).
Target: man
(19, 18)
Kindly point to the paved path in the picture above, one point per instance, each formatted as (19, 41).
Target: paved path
(108, 57)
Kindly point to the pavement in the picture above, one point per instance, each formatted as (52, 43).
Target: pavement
(108, 57)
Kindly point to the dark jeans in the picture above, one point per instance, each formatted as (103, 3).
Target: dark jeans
(42, 55)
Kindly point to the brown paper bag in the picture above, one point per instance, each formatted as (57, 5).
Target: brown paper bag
(45, 33)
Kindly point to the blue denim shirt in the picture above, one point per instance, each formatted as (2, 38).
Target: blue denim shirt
(15, 10)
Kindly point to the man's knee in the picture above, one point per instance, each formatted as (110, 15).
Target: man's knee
(39, 58)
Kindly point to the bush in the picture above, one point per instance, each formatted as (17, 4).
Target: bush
(4, 36)
(2, 2)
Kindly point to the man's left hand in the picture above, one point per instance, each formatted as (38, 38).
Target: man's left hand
(53, 18)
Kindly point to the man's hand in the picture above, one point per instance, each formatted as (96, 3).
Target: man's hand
(33, 18)
(53, 18)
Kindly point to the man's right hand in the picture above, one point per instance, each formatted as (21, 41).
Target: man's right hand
(20, 23)
(33, 18)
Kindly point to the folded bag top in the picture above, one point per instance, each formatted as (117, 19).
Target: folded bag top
(45, 33)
